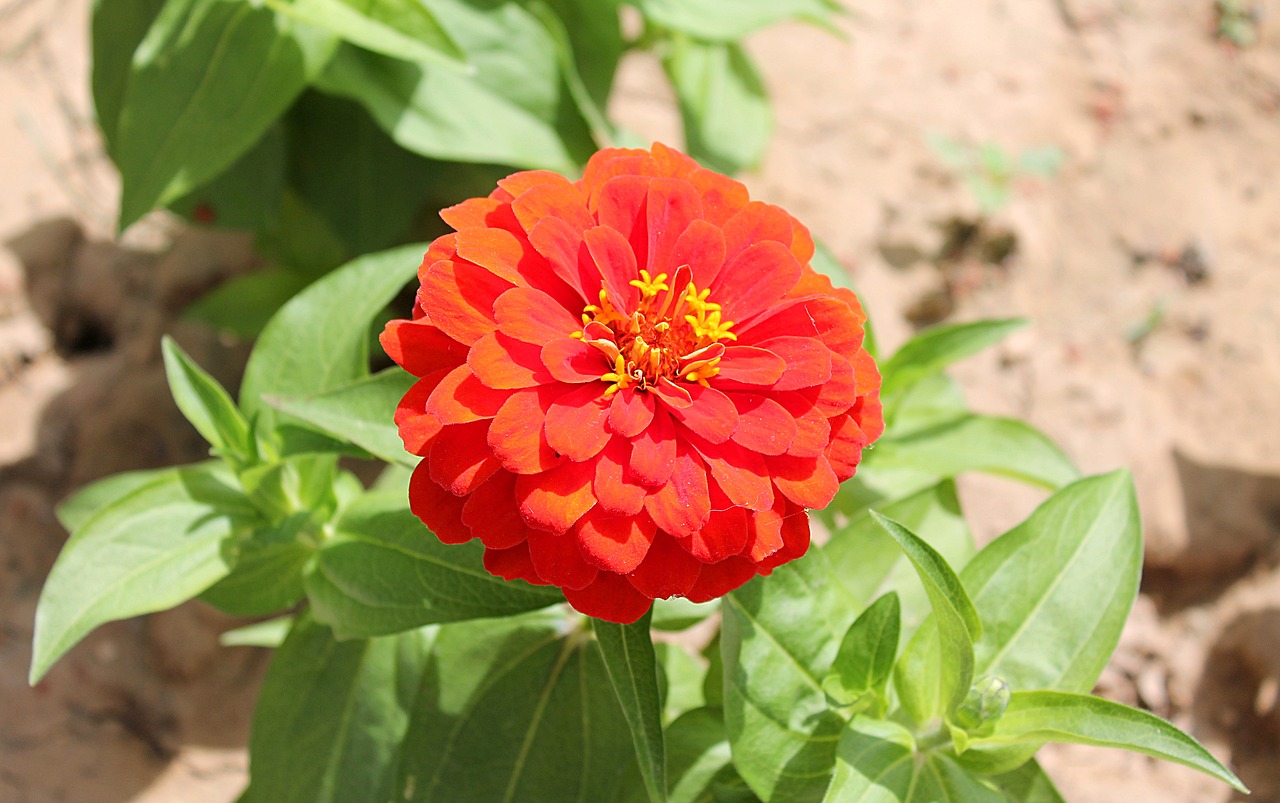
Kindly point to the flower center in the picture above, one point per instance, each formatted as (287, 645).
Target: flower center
(671, 334)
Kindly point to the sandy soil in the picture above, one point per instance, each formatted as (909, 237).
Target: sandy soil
(1148, 266)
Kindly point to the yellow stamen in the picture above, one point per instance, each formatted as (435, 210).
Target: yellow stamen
(650, 287)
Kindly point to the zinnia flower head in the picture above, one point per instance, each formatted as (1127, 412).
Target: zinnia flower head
(632, 385)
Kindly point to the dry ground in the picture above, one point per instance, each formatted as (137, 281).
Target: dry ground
(1150, 267)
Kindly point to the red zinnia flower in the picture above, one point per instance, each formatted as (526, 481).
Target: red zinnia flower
(632, 385)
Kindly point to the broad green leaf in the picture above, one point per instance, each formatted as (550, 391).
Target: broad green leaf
(514, 709)
(699, 763)
(875, 763)
(118, 28)
(1051, 716)
(345, 168)
(206, 404)
(778, 640)
(726, 113)
(867, 651)
(934, 349)
(74, 511)
(730, 20)
(383, 572)
(149, 550)
(300, 241)
(935, 399)
(332, 716)
(246, 195)
(679, 613)
(1028, 784)
(633, 668)
(270, 633)
(402, 29)
(207, 81)
(266, 571)
(320, 339)
(685, 677)
(1002, 446)
(243, 306)
(360, 413)
(593, 35)
(957, 626)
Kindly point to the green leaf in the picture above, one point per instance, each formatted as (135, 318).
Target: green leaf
(875, 763)
(266, 574)
(402, 29)
(1003, 446)
(1036, 717)
(242, 306)
(149, 550)
(1028, 784)
(74, 511)
(726, 113)
(332, 716)
(1054, 592)
(778, 639)
(730, 20)
(300, 241)
(867, 651)
(207, 81)
(320, 339)
(685, 677)
(270, 633)
(514, 709)
(957, 627)
(679, 613)
(591, 34)
(633, 668)
(699, 762)
(1043, 161)
(246, 195)
(118, 28)
(383, 572)
(360, 413)
(937, 347)
(205, 404)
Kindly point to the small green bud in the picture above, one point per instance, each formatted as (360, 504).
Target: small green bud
(985, 703)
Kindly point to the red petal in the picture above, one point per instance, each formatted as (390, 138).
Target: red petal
(672, 395)
(751, 366)
(809, 482)
(795, 540)
(845, 450)
(802, 244)
(631, 412)
(742, 475)
(824, 317)
(440, 510)
(512, 564)
(616, 263)
(615, 487)
(611, 598)
(459, 297)
(573, 361)
(562, 246)
(615, 543)
(764, 425)
(420, 348)
(717, 579)
(554, 500)
(869, 413)
(471, 212)
(532, 316)
(557, 199)
(673, 204)
(838, 393)
(575, 423)
(622, 206)
(491, 513)
(417, 426)
(460, 398)
(498, 251)
(460, 458)
(613, 162)
(504, 363)
(812, 429)
(724, 534)
(701, 247)
(682, 504)
(722, 197)
(711, 415)
(558, 559)
(757, 223)
(653, 454)
(522, 181)
(764, 531)
(667, 571)
(808, 361)
(755, 280)
(865, 374)
(516, 435)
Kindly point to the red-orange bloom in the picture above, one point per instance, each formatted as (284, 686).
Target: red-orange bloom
(632, 385)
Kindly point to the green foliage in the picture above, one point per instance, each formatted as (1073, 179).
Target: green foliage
(991, 172)
(633, 668)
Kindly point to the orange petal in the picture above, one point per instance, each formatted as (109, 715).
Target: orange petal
(616, 263)
(553, 200)
(722, 197)
(512, 564)
(615, 543)
(869, 413)
(755, 280)
(516, 435)
(500, 252)
(764, 425)
(711, 414)
(491, 513)
(845, 450)
(758, 223)
(615, 487)
(532, 316)
(520, 182)
(575, 423)
(724, 534)
(631, 412)
(764, 531)
(558, 559)
(837, 393)
(808, 361)
(653, 453)
(740, 474)
(504, 363)
(562, 246)
(807, 481)
(460, 398)
(865, 374)
(459, 297)
(474, 212)
(417, 426)
(795, 540)
(420, 348)
(751, 366)
(717, 579)
(622, 206)
(611, 598)
(611, 162)
(554, 500)
(573, 361)
(812, 429)
(666, 571)
(681, 505)
(702, 248)
(460, 459)
(673, 204)
(440, 510)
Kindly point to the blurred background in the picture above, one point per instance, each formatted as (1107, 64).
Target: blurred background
(1108, 168)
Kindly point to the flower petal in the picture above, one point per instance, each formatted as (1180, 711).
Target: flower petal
(532, 316)
(740, 474)
(672, 205)
(622, 205)
(758, 223)
(498, 251)
(751, 366)
(516, 435)
(420, 348)
(558, 559)
(666, 571)
(554, 500)
(681, 505)
(795, 539)
(807, 481)
(575, 423)
(754, 280)
(631, 412)
(573, 361)
(512, 564)
(702, 248)
(440, 510)
(611, 598)
(557, 199)
(616, 262)
(460, 459)
(491, 513)
(460, 398)
(808, 361)
(562, 246)
(653, 453)
(717, 579)
(812, 429)
(504, 363)
(615, 487)
(711, 415)
(459, 297)
(764, 425)
(838, 393)
(615, 543)
(844, 452)
(418, 427)
(724, 534)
